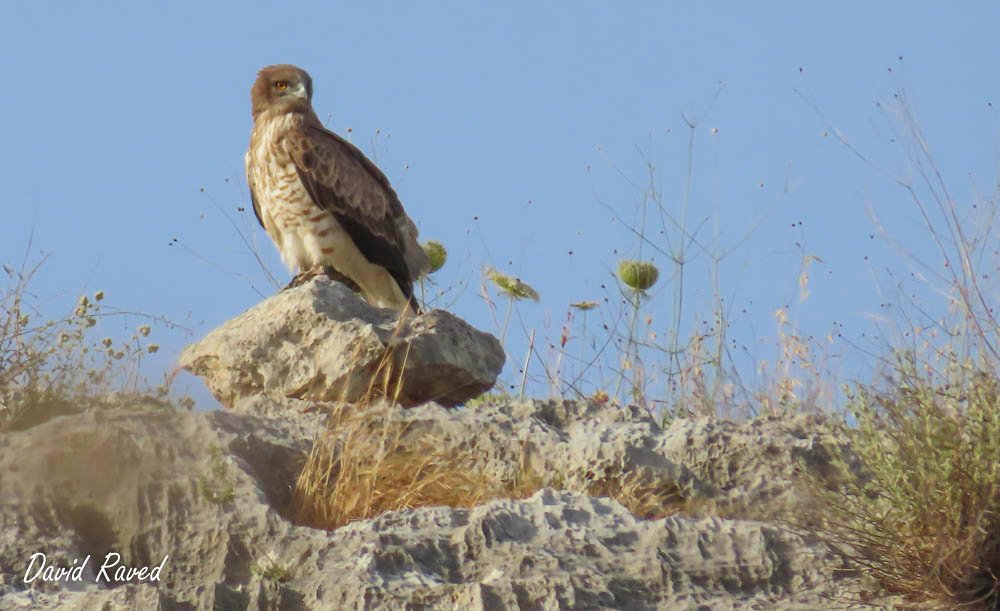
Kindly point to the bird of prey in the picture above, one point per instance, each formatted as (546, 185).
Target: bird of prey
(322, 201)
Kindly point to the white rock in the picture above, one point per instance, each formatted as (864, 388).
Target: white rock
(212, 491)
(320, 341)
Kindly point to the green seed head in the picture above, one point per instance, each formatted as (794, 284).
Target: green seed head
(638, 275)
(436, 254)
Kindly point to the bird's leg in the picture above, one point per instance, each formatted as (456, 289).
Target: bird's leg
(303, 277)
(325, 270)
(336, 276)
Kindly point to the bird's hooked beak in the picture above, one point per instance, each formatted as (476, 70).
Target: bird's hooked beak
(300, 91)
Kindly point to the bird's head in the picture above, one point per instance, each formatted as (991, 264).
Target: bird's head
(280, 89)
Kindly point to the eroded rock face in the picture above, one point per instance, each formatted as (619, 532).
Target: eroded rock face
(755, 464)
(211, 490)
(322, 342)
(747, 468)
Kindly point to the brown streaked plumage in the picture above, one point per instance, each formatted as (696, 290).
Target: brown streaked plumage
(321, 200)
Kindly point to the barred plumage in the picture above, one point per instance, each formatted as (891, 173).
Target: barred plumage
(321, 200)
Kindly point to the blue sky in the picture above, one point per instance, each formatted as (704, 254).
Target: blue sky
(509, 130)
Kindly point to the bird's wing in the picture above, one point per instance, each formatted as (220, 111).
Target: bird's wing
(340, 179)
(253, 195)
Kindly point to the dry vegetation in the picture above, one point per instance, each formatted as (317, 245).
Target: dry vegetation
(918, 508)
(363, 464)
(366, 462)
(918, 513)
(922, 518)
(51, 367)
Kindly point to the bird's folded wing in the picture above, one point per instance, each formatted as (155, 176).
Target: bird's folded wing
(340, 179)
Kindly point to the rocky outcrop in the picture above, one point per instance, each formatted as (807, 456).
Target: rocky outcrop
(207, 497)
(320, 341)
(755, 465)
(212, 491)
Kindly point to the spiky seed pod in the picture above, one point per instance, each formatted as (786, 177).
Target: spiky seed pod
(510, 286)
(638, 275)
(436, 254)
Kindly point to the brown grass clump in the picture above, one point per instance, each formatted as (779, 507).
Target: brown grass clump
(365, 463)
(358, 469)
(645, 499)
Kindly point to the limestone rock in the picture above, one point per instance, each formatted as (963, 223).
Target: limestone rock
(566, 444)
(322, 342)
(212, 491)
(756, 464)
(744, 468)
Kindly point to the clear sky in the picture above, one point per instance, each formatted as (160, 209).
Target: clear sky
(509, 130)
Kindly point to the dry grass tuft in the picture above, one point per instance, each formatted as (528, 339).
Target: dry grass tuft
(922, 514)
(365, 463)
(52, 367)
(645, 499)
(358, 469)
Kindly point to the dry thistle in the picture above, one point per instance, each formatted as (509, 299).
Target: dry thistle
(510, 286)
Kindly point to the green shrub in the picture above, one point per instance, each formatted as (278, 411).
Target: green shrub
(920, 512)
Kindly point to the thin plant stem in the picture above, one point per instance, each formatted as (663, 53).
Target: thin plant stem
(506, 320)
(527, 362)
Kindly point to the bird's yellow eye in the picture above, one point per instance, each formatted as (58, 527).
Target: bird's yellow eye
(281, 85)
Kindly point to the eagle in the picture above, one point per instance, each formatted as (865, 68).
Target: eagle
(326, 206)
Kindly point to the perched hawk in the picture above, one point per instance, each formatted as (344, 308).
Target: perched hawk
(322, 201)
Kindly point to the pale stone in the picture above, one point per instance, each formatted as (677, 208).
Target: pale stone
(320, 341)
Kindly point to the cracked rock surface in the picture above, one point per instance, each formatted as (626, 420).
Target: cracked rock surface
(322, 342)
(212, 490)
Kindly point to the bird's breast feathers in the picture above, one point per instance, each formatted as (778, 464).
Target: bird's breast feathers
(323, 203)
(305, 234)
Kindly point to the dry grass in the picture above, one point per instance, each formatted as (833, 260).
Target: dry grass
(919, 513)
(358, 469)
(645, 499)
(922, 515)
(366, 462)
(51, 367)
